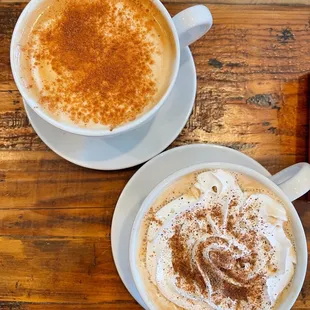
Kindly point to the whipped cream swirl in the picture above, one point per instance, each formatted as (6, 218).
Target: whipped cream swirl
(219, 247)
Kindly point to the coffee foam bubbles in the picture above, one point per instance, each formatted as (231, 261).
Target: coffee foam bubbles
(231, 238)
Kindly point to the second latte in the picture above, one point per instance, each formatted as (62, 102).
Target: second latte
(216, 239)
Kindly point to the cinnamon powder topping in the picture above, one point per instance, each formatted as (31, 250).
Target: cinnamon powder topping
(181, 263)
(101, 53)
(190, 270)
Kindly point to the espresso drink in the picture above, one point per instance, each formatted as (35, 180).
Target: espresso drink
(216, 240)
(98, 63)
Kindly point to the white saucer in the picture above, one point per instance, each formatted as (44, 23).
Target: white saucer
(132, 148)
(145, 179)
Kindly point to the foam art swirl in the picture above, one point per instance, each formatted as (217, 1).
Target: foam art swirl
(219, 247)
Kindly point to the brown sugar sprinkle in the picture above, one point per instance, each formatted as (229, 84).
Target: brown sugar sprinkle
(103, 66)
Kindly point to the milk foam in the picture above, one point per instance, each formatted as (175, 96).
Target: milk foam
(255, 212)
(43, 74)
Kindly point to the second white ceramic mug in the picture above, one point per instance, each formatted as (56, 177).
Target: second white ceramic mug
(186, 27)
(288, 185)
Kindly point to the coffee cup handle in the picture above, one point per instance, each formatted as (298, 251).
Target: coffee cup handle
(294, 180)
(192, 23)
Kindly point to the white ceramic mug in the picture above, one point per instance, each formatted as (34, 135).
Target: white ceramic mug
(288, 185)
(186, 27)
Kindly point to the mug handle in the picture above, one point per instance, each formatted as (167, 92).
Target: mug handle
(192, 23)
(294, 180)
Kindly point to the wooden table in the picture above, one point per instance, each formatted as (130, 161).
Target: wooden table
(253, 85)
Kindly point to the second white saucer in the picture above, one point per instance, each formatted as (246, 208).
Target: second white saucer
(132, 148)
(145, 179)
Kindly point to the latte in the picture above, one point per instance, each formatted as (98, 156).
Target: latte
(97, 63)
(216, 239)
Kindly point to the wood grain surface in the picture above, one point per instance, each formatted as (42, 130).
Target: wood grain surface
(253, 93)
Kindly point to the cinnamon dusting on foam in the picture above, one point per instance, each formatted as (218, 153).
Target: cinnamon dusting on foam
(100, 62)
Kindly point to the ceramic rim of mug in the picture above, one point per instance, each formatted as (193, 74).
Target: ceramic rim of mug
(14, 58)
(297, 229)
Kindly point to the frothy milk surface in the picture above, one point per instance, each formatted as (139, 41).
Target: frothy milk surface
(98, 63)
(216, 239)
